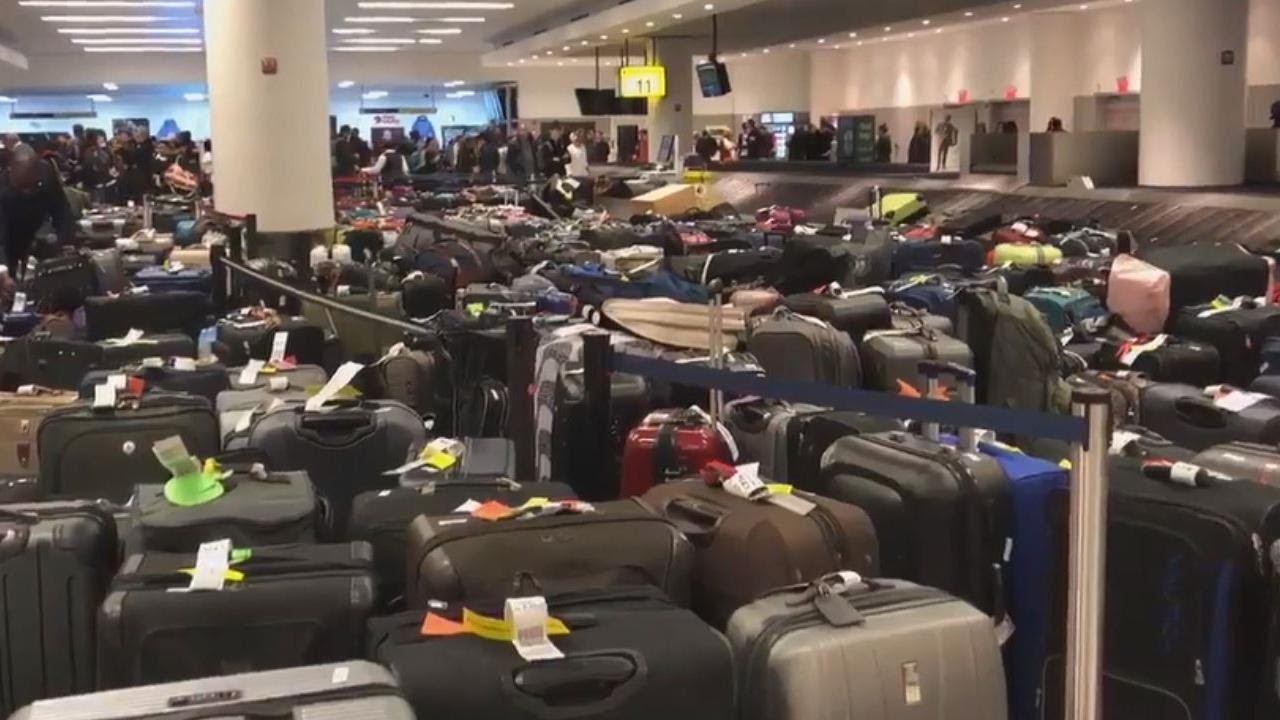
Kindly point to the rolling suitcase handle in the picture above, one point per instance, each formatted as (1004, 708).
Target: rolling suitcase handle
(932, 371)
(557, 681)
(717, 346)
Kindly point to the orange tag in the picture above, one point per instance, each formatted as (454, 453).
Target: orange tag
(491, 511)
(434, 625)
(906, 389)
(941, 394)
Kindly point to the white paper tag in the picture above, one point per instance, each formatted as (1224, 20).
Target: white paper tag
(1121, 439)
(1184, 473)
(528, 619)
(1131, 355)
(1004, 630)
(466, 508)
(746, 483)
(104, 395)
(278, 383)
(340, 379)
(176, 267)
(411, 465)
(19, 302)
(728, 441)
(342, 290)
(131, 337)
(184, 364)
(173, 455)
(249, 374)
(340, 675)
(1239, 400)
(152, 362)
(212, 562)
(792, 503)
(27, 390)
(279, 342)
(119, 381)
(246, 419)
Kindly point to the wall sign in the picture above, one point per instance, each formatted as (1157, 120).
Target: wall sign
(1122, 84)
(963, 97)
(1011, 93)
(1228, 57)
(270, 65)
(642, 81)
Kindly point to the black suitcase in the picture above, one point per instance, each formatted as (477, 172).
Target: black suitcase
(1190, 603)
(631, 654)
(855, 313)
(572, 458)
(1176, 361)
(206, 380)
(296, 605)
(1201, 272)
(345, 450)
(483, 411)
(240, 341)
(1267, 385)
(1185, 416)
(483, 459)
(382, 517)
(62, 364)
(58, 561)
(274, 508)
(943, 514)
(61, 284)
(182, 311)
(1238, 334)
(102, 453)
(618, 543)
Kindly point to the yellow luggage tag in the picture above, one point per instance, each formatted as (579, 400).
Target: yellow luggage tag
(499, 629)
(779, 489)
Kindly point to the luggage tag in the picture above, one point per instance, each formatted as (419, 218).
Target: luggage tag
(184, 364)
(104, 396)
(279, 342)
(527, 618)
(130, 338)
(341, 378)
(213, 563)
(1130, 351)
(152, 362)
(249, 374)
(1233, 400)
(19, 302)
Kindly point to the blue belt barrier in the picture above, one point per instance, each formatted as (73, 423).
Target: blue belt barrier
(1001, 420)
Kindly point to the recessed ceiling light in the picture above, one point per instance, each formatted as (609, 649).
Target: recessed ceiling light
(460, 94)
(821, 40)
(709, 6)
(792, 46)
(354, 31)
(1084, 7)
(584, 42)
(1004, 19)
(1017, 6)
(99, 98)
(604, 37)
(346, 84)
(744, 54)
(7, 99)
(853, 34)
(381, 41)
(547, 52)
(565, 48)
(677, 15)
(136, 41)
(194, 97)
(439, 31)
(142, 49)
(377, 19)
(765, 51)
(648, 23)
(430, 41)
(968, 13)
(888, 28)
(626, 31)
(911, 34)
(510, 64)
(926, 21)
(835, 47)
(455, 83)
(560, 64)
(108, 3)
(521, 61)
(110, 86)
(859, 43)
(129, 31)
(101, 18)
(447, 5)
(454, 20)
(938, 31)
(375, 94)
(365, 48)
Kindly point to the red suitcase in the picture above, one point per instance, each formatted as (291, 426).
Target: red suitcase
(669, 445)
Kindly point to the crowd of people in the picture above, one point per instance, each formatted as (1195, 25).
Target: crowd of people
(756, 142)
(496, 151)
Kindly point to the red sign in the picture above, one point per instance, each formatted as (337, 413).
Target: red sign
(270, 66)
(964, 97)
(1011, 93)
(1122, 84)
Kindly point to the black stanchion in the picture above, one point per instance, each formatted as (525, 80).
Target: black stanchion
(596, 361)
(217, 254)
(522, 348)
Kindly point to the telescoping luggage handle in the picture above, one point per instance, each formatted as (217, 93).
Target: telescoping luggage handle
(933, 370)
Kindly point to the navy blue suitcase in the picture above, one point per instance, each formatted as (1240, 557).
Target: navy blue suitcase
(158, 279)
(932, 295)
(915, 256)
(18, 324)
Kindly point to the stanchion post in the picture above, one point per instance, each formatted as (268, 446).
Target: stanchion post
(218, 253)
(1087, 569)
(522, 348)
(596, 394)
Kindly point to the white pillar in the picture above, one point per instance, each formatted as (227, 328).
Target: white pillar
(270, 132)
(673, 114)
(1193, 99)
(1056, 79)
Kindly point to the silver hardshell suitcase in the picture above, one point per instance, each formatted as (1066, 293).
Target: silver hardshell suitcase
(355, 690)
(885, 649)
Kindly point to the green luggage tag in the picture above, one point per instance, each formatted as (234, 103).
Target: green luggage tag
(190, 484)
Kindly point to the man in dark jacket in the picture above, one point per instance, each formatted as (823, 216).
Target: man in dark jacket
(553, 154)
(30, 194)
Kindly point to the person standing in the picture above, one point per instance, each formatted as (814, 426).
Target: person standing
(30, 193)
(579, 164)
(599, 150)
(948, 135)
(918, 149)
(884, 145)
(489, 158)
(552, 157)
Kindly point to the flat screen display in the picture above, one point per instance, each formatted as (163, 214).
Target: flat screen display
(713, 78)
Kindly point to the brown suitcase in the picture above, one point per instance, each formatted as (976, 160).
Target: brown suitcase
(20, 416)
(745, 549)
(1125, 387)
(194, 257)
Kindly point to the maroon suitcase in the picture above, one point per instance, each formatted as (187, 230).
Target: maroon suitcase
(668, 445)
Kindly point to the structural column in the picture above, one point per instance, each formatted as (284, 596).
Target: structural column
(673, 114)
(268, 76)
(1056, 79)
(1193, 92)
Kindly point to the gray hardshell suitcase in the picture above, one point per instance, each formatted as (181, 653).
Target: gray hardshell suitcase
(885, 649)
(795, 347)
(354, 690)
(890, 356)
(1243, 461)
(237, 409)
(301, 377)
(760, 429)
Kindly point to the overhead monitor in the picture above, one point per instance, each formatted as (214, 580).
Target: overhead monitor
(713, 78)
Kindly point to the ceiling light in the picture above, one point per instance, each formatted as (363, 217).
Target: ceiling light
(853, 34)
(346, 84)
(102, 18)
(938, 31)
(510, 64)
(626, 31)
(888, 29)
(378, 19)
(136, 41)
(709, 6)
(365, 48)
(382, 41)
(604, 37)
(911, 34)
(1017, 6)
(821, 40)
(792, 46)
(7, 99)
(1004, 19)
(142, 49)
(521, 61)
(110, 86)
(129, 31)
(195, 97)
(926, 21)
(461, 94)
(455, 83)
(447, 5)
(439, 31)
(547, 52)
(560, 64)
(968, 13)
(565, 48)
(108, 3)
(584, 42)
(765, 51)
(677, 16)
(430, 41)
(648, 23)
(375, 94)
(859, 43)
(1084, 7)
(455, 20)
(354, 31)
(97, 97)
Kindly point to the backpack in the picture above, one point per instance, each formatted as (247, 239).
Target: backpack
(1016, 355)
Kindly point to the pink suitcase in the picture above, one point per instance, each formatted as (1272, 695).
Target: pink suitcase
(1139, 293)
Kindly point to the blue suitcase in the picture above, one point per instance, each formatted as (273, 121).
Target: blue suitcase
(18, 324)
(159, 280)
(915, 256)
(931, 294)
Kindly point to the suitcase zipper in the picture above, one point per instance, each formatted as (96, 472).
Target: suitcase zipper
(832, 535)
